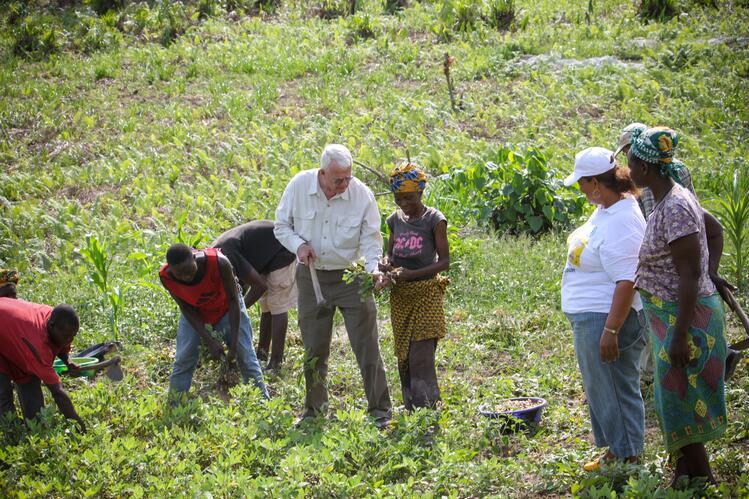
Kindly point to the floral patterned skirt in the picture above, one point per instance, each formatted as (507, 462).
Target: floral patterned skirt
(690, 402)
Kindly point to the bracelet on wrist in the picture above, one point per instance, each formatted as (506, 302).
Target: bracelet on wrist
(609, 330)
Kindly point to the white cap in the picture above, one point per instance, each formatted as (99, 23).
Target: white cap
(625, 138)
(591, 162)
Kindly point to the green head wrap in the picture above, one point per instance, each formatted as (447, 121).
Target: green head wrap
(657, 146)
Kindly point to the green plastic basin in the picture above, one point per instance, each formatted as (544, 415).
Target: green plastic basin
(60, 367)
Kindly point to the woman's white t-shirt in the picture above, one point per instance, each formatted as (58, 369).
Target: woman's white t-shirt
(600, 253)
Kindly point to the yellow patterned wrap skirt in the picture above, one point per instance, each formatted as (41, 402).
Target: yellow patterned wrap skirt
(417, 313)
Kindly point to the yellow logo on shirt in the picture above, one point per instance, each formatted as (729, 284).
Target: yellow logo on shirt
(577, 251)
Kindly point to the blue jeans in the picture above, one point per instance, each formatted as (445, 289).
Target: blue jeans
(617, 411)
(188, 343)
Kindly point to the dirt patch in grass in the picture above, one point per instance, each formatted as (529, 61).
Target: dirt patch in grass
(409, 85)
(86, 195)
(498, 131)
(421, 37)
(38, 139)
(289, 102)
(587, 110)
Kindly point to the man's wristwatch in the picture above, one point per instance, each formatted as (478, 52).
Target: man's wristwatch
(609, 330)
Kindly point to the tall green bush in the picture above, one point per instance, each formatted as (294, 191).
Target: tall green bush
(104, 6)
(658, 10)
(512, 191)
(36, 36)
(500, 14)
(393, 6)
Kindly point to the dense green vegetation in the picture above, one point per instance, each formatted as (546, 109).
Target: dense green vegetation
(143, 123)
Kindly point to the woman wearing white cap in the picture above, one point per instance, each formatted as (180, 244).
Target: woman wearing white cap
(599, 300)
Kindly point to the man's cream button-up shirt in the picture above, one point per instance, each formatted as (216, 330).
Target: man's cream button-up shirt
(340, 229)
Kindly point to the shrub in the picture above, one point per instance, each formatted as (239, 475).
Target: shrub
(514, 191)
(457, 16)
(136, 20)
(267, 5)
(330, 9)
(95, 33)
(658, 10)
(677, 58)
(393, 6)
(36, 36)
(173, 20)
(500, 13)
(361, 26)
(706, 3)
(15, 12)
(252, 5)
(467, 14)
(104, 6)
(206, 8)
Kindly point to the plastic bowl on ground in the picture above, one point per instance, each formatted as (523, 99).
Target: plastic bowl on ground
(528, 414)
(60, 366)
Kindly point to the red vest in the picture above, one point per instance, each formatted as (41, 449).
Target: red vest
(207, 296)
(26, 351)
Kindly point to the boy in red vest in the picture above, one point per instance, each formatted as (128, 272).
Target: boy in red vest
(31, 336)
(202, 283)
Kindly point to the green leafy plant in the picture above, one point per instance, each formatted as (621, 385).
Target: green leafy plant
(99, 257)
(457, 16)
(658, 10)
(36, 36)
(173, 20)
(356, 274)
(362, 26)
(514, 192)
(677, 58)
(104, 6)
(500, 13)
(206, 8)
(589, 13)
(732, 207)
(331, 9)
(182, 237)
(268, 5)
(96, 33)
(393, 6)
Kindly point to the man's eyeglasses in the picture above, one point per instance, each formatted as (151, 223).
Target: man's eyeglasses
(339, 181)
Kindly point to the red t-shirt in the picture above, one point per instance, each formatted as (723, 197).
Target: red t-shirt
(26, 351)
(208, 296)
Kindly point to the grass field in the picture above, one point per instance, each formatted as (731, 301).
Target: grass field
(141, 143)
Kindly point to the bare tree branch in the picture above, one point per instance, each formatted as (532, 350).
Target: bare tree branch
(379, 175)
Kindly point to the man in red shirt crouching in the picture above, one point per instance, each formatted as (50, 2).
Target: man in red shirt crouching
(202, 283)
(31, 336)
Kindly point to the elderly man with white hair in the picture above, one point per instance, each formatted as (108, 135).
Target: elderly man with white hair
(329, 219)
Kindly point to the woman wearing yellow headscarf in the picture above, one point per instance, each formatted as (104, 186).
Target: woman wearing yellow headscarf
(417, 251)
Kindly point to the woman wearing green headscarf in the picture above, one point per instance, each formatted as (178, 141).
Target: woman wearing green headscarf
(684, 312)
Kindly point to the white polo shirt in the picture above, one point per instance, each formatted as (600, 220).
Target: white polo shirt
(600, 253)
(340, 229)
